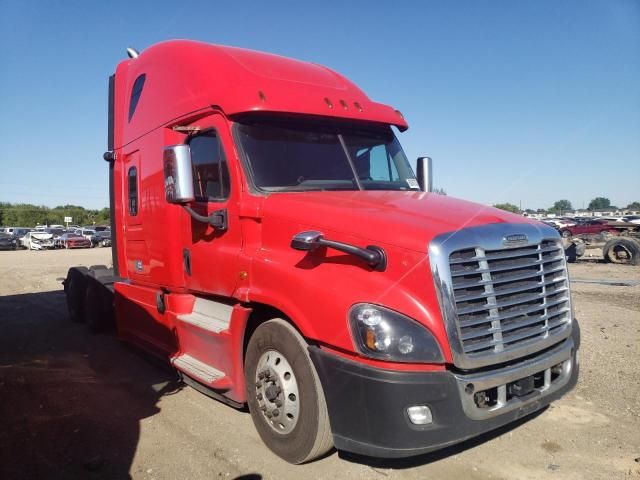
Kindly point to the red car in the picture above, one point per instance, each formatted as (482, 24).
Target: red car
(73, 240)
(592, 227)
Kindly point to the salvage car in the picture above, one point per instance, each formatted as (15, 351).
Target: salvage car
(37, 241)
(8, 242)
(72, 240)
(589, 227)
(101, 239)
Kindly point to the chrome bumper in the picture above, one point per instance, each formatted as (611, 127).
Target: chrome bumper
(560, 359)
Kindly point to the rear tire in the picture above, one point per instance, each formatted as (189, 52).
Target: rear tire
(75, 287)
(98, 311)
(622, 250)
(311, 436)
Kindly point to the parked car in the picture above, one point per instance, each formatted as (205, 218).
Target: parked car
(592, 227)
(36, 240)
(73, 240)
(101, 228)
(101, 239)
(631, 219)
(8, 242)
(85, 232)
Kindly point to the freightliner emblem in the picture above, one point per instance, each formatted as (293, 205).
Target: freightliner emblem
(515, 239)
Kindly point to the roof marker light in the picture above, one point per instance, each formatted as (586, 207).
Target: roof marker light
(328, 102)
(357, 105)
(344, 104)
(262, 96)
(132, 52)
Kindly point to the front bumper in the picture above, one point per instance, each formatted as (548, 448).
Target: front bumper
(367, 406)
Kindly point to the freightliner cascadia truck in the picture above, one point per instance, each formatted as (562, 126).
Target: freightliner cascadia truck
(272, 242)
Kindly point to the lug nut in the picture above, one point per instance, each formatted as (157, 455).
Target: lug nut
(278, 402)
(258, 384)
(275, 412)
(261, 375)
(259, 396)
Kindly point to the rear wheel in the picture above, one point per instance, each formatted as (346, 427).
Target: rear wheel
(284, 394)
(75, 287)
(622, 250)
(98, 312)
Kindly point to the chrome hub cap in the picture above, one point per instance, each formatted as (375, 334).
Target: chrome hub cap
(277, 391)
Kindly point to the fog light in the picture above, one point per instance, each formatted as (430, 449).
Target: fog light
(419, 415)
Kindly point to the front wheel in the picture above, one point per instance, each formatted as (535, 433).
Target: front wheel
(284, 394)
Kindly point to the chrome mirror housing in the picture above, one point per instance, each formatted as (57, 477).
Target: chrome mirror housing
(178, 174)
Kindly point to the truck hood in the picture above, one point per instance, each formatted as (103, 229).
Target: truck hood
(406, 219)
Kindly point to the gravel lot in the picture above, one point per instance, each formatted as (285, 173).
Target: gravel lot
(73, 405)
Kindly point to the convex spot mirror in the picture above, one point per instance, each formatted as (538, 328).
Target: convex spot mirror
(178, 174)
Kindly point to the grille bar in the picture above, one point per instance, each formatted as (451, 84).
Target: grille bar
(472, 283)
(458, 273)
(502, 255)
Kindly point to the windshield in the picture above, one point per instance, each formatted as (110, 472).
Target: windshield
(301, 157)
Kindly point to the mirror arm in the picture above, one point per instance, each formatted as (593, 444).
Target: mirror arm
(374, 256)
(217, 219)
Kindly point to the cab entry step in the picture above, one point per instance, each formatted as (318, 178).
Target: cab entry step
(199, 370)
(209, 315)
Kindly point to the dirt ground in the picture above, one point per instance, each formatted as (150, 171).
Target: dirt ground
(73, 405)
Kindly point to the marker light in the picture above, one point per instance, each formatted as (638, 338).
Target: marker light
(384, 334)
(420, 415)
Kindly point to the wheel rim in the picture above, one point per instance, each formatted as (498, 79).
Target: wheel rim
(277, 392)
(621, 254)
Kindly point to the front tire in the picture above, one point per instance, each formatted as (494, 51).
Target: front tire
(295, 426)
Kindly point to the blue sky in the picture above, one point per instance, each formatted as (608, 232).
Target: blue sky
(516, 102)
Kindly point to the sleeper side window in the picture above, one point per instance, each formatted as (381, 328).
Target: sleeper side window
(136, 91)
(132, 177)
(210, 172)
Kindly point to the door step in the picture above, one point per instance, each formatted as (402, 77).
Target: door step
(209, 315)
(200, 371)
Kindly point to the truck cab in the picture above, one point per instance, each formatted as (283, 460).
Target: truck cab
(271, 240)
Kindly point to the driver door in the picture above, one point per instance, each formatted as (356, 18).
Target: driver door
(210, 256)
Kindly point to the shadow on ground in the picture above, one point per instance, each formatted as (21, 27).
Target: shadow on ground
(70, 402)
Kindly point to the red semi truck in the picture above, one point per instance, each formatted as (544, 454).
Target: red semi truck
(272, 242)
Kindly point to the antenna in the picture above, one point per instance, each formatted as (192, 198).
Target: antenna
(132, 52)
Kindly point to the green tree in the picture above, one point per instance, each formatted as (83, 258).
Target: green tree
(509, 207)
(599, 202)
(561, 206)
(634, 206)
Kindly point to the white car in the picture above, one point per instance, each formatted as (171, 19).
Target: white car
(631, 219)
(85, 232)
(560, 222)
(37, 241)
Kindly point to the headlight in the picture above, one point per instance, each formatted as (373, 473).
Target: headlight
(382, 333)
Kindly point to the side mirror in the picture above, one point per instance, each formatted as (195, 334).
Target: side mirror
(178, 174)
(425, 174)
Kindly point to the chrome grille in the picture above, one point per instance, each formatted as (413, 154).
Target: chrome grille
(504, 298)
(501, 301)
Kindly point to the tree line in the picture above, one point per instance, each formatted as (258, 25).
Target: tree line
(563, 206)
(28, 215)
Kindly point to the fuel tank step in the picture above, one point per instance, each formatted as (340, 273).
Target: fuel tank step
(208, 315)
(201, 371)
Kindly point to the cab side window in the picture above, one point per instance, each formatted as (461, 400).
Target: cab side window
(210, 172)
(136, 91)
(133, 191)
